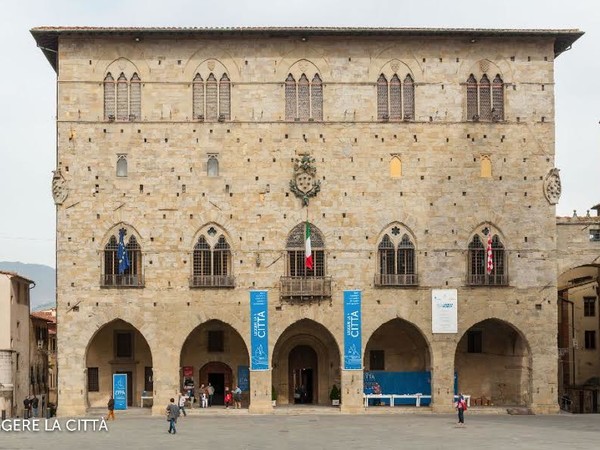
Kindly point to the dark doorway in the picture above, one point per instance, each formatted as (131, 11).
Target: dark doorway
(218, 382)
(219, 375)
(303, 374)
(129, 386)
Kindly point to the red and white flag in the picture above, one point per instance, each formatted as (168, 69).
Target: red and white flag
(308, 249)
(490, 254)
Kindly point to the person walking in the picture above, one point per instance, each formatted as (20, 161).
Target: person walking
(182, 404)
(172, 415)
(461, 407)
(237, 397)
(26, 406)
(111, 408)
(204, 397)
(211, 393)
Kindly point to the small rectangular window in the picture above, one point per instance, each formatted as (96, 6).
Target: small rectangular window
(590, 339)
(216, 341)
(377, 360)
(123, 344)
(595, 235)
(474, 341)
(589, 306)
(92, 378)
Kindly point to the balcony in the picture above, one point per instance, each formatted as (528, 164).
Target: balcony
(305, 287)
(487, 280)
(212, 281)
(128, 281)
(398, 280)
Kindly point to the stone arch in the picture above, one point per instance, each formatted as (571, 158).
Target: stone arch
(199, 60)
(396, 66)
(204, 229)
(114, 231)
(303, 66)
(389, 55)
(117, 346)
(493, 67)
(312, 56)
(478, 229)
(312, 334)
(214, 350)
(121, 63)
(493, 363)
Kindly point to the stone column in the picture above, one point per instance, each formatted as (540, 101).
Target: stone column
(167, 385)
(352, 391)
(544, 375)
(442, 374)
(260, 392)
(72, 384)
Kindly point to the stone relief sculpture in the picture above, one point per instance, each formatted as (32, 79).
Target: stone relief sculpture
(304, 184)
(60, 191)
(552, 186)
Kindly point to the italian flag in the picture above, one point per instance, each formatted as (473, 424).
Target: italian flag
(308, 249)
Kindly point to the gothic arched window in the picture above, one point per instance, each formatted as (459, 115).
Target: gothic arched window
(485, 99)
(304, 98)
(396, 260)
(212, 261)
(395, 99)
(296, 254)
(123, 261)
(483, 270)
(211, 99)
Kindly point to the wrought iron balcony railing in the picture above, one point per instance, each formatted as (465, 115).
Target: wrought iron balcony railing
(487, 280)
(114, 280)
(410, 279)
(212, 281)
(298, 287)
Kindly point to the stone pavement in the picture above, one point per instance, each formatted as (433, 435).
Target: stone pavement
(331, 432)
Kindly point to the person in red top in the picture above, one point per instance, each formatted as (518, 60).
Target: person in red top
(228, 398)
(461, 406)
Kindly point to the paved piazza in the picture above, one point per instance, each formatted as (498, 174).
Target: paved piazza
(326, 432)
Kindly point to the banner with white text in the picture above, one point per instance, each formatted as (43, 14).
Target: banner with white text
(352, 330)
(444, 311)
(120, 390)
(259, 330)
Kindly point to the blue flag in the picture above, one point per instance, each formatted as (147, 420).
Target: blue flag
(122, 252)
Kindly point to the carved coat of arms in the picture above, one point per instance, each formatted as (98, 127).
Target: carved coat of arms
(60, 191)
(552, 186)
(305, 184)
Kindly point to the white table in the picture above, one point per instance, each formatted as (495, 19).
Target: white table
(142, 398)
(391, 397)
(467, 398)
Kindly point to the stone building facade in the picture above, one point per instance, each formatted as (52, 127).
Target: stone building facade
(14, 343)
(409, 152)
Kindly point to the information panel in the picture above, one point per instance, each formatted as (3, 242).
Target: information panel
(444, 311)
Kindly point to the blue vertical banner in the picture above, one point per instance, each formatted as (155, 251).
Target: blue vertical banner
(352, 330)
(244, 378)
(120, 390)
(259, 330)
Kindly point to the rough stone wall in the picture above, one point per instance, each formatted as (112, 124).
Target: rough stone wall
(574, 247)
(440, 198)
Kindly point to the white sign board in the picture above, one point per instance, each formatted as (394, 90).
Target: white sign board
(444, 311)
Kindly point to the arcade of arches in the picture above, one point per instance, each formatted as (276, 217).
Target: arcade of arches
(492, 361)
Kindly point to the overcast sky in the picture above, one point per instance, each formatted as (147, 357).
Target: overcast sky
(27, 88)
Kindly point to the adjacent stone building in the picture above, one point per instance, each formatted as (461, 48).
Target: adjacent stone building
(14, 343)
(422, 158)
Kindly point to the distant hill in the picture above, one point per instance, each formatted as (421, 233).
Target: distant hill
(43, 296)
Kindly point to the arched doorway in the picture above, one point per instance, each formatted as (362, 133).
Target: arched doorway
(219, 375)
(578, 339)
(303, 370)
(398, 359)
(118, 347)
(306, 345)
(214, 352)
(493, 365)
